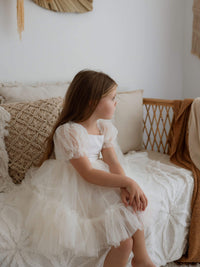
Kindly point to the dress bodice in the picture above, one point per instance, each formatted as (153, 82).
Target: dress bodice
(71, 140)
(95, 146)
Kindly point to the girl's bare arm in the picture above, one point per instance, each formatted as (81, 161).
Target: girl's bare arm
(110, 157)
(103, 178)
(99, 177)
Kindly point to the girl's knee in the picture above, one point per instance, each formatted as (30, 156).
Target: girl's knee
(126, 245)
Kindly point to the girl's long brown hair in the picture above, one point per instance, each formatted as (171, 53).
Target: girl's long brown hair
(81, 99)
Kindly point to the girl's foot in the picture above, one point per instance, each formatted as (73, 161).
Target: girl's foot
(145, 263)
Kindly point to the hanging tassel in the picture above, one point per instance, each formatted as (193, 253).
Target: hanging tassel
(196, 29)
(20, 17)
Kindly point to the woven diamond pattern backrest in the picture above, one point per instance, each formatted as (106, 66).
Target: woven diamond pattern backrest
(158, 116)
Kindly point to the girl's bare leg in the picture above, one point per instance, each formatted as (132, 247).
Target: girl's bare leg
(141, 257)
(118, 257)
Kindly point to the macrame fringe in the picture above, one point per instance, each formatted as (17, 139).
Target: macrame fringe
(20, 17)
(196, 29)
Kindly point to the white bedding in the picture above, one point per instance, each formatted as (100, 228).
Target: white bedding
(171, 187)
(168, 188)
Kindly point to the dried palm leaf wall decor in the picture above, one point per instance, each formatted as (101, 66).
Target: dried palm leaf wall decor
(79, 6)
(196, 29)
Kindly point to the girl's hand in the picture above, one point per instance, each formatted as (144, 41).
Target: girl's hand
(137, 198)
(124, 196)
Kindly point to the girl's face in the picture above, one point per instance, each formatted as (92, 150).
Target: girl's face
(106, 107)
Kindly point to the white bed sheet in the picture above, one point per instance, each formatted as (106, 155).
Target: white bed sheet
(171, 187)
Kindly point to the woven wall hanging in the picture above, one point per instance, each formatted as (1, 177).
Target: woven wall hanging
(79, 6)
(196, 29)
(75, 6)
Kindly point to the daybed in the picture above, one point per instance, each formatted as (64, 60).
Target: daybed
(29, 111)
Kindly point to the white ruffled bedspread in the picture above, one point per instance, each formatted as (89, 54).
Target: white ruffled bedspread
(172, 188)
(167, 186)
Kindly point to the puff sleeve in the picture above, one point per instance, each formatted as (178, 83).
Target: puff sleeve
(110, 133)
(70, 141)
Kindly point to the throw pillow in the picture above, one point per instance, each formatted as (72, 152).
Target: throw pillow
(31, 123)
(128, 119)
(21, 92)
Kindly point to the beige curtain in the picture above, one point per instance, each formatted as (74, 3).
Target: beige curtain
(196, 29)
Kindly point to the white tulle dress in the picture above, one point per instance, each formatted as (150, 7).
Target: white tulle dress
(63, 213)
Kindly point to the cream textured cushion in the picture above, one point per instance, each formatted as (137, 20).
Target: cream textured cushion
(31, 123)
(6, 183)
(128, 119)
(21, 92)
(2, 99)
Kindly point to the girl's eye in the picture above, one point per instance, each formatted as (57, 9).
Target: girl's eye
(114, 98)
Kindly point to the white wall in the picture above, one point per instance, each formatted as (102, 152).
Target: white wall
(138, 42)
(191, 72)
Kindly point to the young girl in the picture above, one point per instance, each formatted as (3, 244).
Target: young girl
(81, 202)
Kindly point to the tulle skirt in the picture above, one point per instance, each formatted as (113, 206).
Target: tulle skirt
(61, 212)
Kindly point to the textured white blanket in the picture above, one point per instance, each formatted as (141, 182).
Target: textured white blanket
(169, 188)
